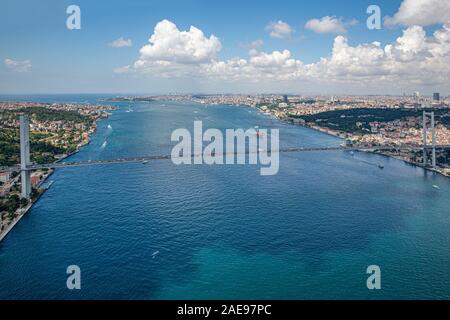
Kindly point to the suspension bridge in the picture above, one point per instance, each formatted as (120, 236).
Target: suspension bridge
(26, 166)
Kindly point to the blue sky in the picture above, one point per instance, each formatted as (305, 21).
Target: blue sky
(82, 61)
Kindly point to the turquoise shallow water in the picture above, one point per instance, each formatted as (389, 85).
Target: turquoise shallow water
(225, 231)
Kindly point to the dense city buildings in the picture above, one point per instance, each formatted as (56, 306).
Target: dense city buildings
(57, 130)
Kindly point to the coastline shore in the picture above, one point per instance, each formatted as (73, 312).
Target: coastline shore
(338, 134)
(21, 212)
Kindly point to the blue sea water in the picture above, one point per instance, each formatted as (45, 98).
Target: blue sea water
(227, 232)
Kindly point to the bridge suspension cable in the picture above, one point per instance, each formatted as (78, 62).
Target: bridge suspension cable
(26, 166)
(56, 165)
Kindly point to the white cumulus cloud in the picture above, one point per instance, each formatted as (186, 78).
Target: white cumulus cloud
(414, 58)
(326, 24)
(421, 12)
(279, 30)
(19, 66)
(120, 43)
(276, 65)
(172, 45)
(172, 52)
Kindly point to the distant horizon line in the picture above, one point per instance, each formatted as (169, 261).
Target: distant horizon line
(218, 93)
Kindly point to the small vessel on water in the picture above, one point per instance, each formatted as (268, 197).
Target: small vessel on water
(380, 166)
(436, 187)
(144, 162)
(109, 126)
(49, 185)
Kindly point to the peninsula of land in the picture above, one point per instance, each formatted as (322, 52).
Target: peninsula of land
(56, 131)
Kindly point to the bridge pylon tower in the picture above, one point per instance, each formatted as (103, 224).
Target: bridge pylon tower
(25, 172)
(433, 139)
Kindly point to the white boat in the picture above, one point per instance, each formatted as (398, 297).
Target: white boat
(436, 187)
